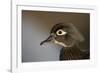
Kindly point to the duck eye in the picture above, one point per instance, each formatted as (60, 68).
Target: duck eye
(61, 32)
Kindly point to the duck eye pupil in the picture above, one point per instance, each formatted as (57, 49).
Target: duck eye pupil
(60, 32)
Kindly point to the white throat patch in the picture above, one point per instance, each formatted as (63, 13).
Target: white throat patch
(60, 43)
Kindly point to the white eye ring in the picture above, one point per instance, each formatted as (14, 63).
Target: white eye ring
(61, 32)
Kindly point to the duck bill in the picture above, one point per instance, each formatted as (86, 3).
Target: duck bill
(47, 40)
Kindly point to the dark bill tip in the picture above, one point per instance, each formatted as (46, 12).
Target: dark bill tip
(42, 42)
(47, 40)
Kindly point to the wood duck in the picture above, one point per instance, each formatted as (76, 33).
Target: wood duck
(67, 35)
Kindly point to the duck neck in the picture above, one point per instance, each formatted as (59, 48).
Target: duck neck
(70, 53)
